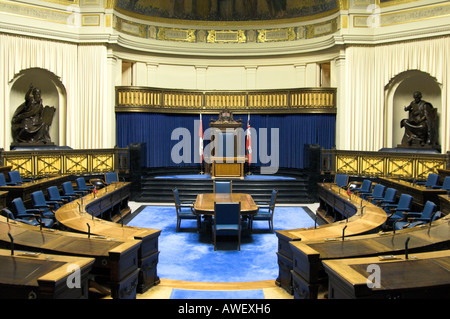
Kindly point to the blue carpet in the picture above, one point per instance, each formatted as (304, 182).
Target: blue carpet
(206, 176)
(201, 294)
(190, 256)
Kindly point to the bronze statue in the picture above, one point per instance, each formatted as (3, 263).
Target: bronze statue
(421, 124)
(31, 121)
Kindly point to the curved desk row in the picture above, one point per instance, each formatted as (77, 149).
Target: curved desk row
(25, 190)
(308, 256)
(359, 221)
(42, 276)
(115, 263)
(420, 276)
(78, 215)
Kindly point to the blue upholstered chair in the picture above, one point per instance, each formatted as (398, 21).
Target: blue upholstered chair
(81, 185)
(69, 191)
(184, 210)
(403, 205)
(227, 218)
(265, 212)
(413, 217)
(3, 181)
(377, 192)
(365, 187)
(445, 184)
(16, 179)
(54, 195)
(29, 219)
(431, 182)
(341, 180)
(46, 207)
(22, 213)
(388, 198)
(223, 187)
(111, 177)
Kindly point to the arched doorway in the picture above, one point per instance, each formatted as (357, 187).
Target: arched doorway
(53, 93)
(399, 93)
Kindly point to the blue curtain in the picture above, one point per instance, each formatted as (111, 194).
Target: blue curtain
(295, 130)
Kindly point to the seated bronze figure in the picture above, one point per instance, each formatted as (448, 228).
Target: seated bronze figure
(421, 124)
(31, 121)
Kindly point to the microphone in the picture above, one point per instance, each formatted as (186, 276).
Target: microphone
(406, 247)
(343, 232)
(89, 230)
(12, 244)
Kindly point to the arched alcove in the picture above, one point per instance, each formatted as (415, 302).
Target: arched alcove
(399, 94)
(53, 94)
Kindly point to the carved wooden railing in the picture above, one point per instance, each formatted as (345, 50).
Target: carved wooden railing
(304, 100)
(384, 164)
(66, 161)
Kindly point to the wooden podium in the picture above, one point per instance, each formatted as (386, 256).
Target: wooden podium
(227, 129)
(228, 167)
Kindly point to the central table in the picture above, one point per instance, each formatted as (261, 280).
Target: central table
(204, 204)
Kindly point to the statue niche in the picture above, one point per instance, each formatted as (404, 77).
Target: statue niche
(421, 124)
(31, 121)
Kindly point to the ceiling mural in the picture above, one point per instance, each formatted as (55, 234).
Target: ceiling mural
(227, 10)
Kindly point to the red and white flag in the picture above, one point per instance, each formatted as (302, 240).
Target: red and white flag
(249, 141)
(200, 144)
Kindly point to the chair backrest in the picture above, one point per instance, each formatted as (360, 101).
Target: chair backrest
(227, 213)
(38, 198)
(111, 177)
(446, 184)
(223, 186)
(2, 180)
(273, 198)
(428, 209)
(432, 180)
(366, 185)
(53, 193)
(67, 188)
(19, 206)
(341, 180)
(176, 197)
(81, 183)
(8, 214)
(378, 190)
(404, 202)
(390, 194)
(14, 177)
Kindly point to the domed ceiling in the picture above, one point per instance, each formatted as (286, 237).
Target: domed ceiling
(228, 10)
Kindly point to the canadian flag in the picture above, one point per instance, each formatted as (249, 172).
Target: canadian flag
(200, 144)
(249, 142)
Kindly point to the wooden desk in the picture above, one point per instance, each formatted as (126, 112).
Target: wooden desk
(115, 260)
(70, 216)
(204, 203)
(370, 221)
(4, 170)
(41, 276)
(443, 173)
(309, 275)
(3, 196)
(444, 201)
(424, 275)
(420, 193)
(24, 191)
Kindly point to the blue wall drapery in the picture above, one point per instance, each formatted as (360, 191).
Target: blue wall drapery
(295, 130)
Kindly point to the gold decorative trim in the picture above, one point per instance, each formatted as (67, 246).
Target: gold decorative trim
(176, 35)
(146, 99)
(226, 36)
(273, 35)
(66, 162)
(381, 164)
